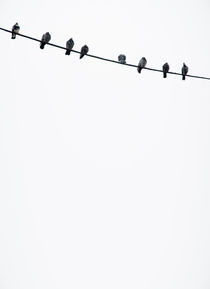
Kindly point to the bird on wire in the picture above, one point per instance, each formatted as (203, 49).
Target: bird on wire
(69, 46)
(15, 30)
(122, 59)
(142, 64)
(184, 71)
(45, 39)
(84, 51)
(165, 69)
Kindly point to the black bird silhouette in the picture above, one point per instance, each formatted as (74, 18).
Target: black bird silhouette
(15, 30)
(184, 71)
(122, 59)
(165, 69)
(69, 46)
(142, 64)
(45, 39)
(84, 51)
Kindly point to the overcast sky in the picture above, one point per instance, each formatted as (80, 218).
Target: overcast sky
(104, 172)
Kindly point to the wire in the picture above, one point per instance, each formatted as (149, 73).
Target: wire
(102, 58)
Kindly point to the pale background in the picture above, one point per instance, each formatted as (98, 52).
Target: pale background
(104, 173)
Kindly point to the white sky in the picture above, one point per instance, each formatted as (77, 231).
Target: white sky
(104, 173)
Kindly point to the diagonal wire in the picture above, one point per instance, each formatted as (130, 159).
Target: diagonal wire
(102, 58)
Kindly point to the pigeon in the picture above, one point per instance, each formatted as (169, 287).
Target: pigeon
(69, 46)
(84, 51)
(142, 64)
(165, 69)
(15, 30)
(184, 71)
(122, 59)
(45, 39)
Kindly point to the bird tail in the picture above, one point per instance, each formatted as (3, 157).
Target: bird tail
(183, 77)
(164, 74)
(42, 45)
(67, 52)
(13, 36)
(81, 55)
(139, 69)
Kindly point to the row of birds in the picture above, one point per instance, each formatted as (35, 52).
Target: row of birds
(84, 50)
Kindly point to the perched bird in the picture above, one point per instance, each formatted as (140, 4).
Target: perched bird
(122, 59)
(184, 71)
(69, 46)
(84, 51)
(165, 69)
(142, 64)
(45, 39)
(15, 29)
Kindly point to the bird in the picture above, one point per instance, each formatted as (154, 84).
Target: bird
(69, 46)
(184, 71)
(122, 59)
(84, 51)
(165, 69)
(45, 39)
(15, 30)
(142, 64)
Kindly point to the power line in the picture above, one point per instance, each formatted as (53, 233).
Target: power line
(102, 58)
